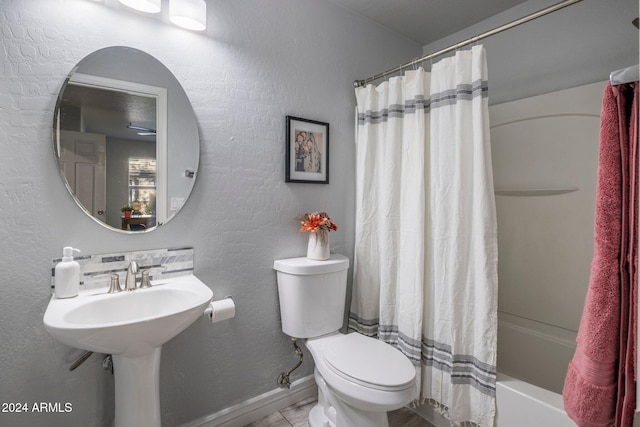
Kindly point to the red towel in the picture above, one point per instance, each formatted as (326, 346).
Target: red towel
(627, 99)
(600, 376)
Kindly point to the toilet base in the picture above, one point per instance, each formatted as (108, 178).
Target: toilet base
(334, 412)
(317, 418)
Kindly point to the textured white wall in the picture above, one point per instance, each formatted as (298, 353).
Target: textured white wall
(259, 61)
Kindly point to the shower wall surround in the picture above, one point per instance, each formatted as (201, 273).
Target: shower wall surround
(545, 242)
(257, 62)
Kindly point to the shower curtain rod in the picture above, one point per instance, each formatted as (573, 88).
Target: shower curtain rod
(531, 17)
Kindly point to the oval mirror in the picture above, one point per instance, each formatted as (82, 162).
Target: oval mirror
(126, 139)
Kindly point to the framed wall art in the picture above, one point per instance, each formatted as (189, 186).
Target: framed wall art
(307, 151)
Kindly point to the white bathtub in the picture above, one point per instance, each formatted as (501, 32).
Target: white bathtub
(526, 405)
(519, 404)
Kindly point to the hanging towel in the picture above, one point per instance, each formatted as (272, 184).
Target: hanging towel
(592, 386)
(627, 108)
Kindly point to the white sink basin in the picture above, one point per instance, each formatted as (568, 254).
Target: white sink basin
(132, 326)
(128, 323)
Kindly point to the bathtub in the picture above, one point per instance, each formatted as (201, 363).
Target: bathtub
(519, 404)
(526, 405)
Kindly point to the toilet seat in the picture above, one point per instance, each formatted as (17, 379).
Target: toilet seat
(369, 362)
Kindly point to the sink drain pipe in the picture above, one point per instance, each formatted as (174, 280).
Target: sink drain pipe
(83, 358)
(283, 378)
(107, 362)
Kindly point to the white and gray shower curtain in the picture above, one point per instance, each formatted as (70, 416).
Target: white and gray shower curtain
(425, 267)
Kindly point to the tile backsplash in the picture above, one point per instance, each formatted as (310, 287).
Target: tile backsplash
(95, 270)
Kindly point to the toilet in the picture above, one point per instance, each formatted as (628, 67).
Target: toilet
(359, 378)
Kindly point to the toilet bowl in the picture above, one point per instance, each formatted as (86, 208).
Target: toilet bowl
(359, 378)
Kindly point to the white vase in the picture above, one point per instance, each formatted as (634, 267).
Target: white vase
(318, 248)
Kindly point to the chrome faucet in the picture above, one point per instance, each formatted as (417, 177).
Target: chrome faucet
(130, 281)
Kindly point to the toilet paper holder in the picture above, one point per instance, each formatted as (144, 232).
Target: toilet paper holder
(209, 310)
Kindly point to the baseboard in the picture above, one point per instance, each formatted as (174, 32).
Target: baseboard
(260, 406)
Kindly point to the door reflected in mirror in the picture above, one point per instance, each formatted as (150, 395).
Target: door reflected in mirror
(124, 145)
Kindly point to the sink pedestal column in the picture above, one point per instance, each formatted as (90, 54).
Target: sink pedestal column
(137, 390)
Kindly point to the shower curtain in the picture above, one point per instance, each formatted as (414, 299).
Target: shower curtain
(599, 389)
(425, 264)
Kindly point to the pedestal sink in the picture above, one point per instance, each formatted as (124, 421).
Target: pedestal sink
(131, 326)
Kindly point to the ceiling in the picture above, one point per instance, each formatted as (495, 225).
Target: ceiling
(578, 45)
(426, 21)
(107, 112)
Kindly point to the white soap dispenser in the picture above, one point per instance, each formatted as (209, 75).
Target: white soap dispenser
(67, 275)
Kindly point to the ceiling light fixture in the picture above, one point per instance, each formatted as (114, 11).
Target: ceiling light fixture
(143, 130)
(148, 6)
(189, 14)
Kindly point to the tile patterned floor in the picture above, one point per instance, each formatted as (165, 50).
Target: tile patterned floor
(296, 416)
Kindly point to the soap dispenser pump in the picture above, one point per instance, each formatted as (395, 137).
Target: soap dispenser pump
(67, 275)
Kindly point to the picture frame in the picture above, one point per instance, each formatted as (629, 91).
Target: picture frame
(307, 151)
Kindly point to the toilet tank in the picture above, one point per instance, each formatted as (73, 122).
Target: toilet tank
(312, 295)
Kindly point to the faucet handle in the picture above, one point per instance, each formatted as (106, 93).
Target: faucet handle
(145, 282)
(115, 284)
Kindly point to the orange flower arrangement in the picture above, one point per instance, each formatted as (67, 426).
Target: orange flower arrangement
(317, 221)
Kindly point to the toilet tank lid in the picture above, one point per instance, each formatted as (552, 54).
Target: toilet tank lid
(306, 266)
